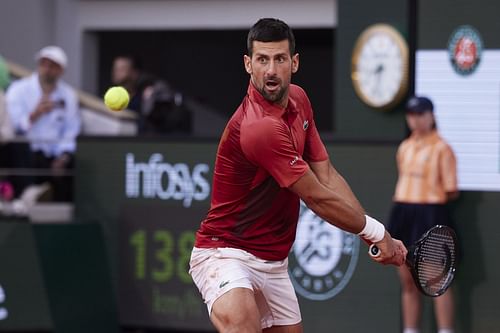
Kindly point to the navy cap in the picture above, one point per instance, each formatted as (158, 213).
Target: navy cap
(419, 104)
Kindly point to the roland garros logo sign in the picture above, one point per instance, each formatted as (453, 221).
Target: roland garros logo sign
(323, 257)
(465, 48)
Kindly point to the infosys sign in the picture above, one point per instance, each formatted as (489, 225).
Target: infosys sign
(156, 178)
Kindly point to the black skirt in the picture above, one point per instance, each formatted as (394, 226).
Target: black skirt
(408, 222)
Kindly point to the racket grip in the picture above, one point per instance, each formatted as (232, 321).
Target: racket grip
(374, 251)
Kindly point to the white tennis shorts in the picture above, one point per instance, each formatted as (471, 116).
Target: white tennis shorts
(215, 271)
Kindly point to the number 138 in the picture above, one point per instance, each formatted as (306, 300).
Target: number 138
(164, 263)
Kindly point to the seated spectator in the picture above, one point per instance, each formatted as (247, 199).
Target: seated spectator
(44, 109)
(159, 107)
(163, 111)
(127, 72)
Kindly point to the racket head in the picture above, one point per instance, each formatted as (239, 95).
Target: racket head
(433, 260)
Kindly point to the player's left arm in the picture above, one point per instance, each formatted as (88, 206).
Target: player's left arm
(332, 179)
(316, 155)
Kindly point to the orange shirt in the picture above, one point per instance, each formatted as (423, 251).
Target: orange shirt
(427, 170)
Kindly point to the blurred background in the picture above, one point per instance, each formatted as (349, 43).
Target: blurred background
(112, 255)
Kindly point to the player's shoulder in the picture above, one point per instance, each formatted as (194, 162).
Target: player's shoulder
(297, 91)
(260, 131)
(255, 115)
(300, 100)
(262, 125)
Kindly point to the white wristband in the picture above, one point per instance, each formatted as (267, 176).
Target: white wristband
(374, 231)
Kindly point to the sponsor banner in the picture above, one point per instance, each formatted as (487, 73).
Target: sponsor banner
(156, 178)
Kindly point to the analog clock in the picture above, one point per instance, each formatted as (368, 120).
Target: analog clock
(380, 66)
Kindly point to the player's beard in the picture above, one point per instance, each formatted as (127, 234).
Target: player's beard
(277, 95)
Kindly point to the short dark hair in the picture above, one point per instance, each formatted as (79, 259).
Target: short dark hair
(270, 30)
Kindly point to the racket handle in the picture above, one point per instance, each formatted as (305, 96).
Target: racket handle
(374, 251)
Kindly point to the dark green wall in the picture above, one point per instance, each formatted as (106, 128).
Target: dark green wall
(77, 277)
(353, 119)
(55, 278)
(434, 31)
(100, 196)
(21, 279)
(373, 291)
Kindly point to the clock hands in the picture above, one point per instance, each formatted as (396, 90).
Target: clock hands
(380, 64)
(378, 73)
(379, 69)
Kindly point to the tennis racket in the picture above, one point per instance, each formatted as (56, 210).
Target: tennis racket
(432, 260)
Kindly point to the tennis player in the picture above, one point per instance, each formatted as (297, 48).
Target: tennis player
(269, 157)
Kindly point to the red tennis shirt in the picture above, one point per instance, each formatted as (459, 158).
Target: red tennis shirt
(263, 150)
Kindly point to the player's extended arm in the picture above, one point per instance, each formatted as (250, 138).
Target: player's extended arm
(329, 177)
(335, 209)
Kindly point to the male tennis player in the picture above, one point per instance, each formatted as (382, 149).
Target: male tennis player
(269, 157)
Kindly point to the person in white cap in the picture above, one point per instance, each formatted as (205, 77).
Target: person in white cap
(45, 109)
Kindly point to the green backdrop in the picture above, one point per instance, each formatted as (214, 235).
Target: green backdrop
(147, 239)
(54, 278)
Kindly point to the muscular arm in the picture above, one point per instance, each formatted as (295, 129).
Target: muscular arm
(339, 207)
(328, 204)
(329, 177)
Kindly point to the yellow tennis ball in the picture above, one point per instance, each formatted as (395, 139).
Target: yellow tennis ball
(116, 98)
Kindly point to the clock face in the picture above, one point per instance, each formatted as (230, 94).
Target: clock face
(380, 66)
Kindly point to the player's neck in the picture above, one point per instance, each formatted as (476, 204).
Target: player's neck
(284, 103)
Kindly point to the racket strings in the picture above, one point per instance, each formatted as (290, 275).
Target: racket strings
(435, 261)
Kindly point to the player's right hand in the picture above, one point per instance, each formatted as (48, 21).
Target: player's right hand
(392, 251)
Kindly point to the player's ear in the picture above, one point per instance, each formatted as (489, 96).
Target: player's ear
(295, 63)
(248, 63)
